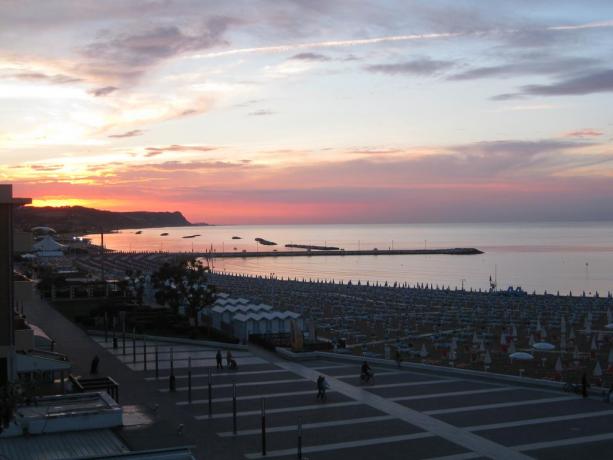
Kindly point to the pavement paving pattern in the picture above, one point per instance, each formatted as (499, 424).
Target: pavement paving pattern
(404, 413)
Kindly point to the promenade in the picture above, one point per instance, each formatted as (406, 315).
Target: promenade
(406, 413)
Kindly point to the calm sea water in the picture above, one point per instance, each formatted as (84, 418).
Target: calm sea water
(543, 256)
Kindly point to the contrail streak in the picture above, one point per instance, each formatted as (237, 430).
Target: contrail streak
(376, 40)
(325, 44)
(589, 25)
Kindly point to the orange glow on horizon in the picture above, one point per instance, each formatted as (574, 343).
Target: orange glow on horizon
(60, 201)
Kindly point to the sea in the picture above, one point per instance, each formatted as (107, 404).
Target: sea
(540, 257)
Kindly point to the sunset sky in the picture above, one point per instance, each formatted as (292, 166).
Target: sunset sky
(279, 111)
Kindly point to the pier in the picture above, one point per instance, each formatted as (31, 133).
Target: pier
(307, 253)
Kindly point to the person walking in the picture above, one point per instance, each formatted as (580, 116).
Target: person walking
(219, 360)
(94, 366)
(584, 385)
(398, 357)
(321, 387)
(228, 358)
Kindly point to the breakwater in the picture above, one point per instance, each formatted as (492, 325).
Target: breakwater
(313, 253)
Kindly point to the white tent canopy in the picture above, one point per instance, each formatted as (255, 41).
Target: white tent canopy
(48, 247)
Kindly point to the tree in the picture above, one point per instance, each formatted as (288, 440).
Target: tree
(185, 283)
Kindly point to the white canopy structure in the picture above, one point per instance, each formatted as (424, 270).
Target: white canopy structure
(221, 315)
(272, 322)
(48, 247)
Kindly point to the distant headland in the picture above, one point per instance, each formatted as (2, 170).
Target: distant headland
(79, 219)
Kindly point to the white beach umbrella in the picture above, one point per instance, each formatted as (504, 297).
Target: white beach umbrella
(558, 367)
(597, 370)
(521, 356)
(513, 330)
(543, 346)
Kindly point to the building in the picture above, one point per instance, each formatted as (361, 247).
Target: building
(7, 334)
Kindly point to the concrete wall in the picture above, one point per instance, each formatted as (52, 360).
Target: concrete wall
(22, 242)
(24, 340)
(24, 293)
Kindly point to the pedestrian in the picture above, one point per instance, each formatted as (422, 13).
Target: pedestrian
(172, 382)
(321, 387)
(584, 385)
(219, 360)
(398, 358)
(94, 366)
(228, 358)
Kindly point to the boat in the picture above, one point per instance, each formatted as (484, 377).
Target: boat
(190, 236)
(163, 234)
(138, 232)
(236, 238)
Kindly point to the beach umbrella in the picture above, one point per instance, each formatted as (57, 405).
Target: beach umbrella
(576, 355)
(538, 325)
(597, 370)
(558, 367)
(543, 346)
(593, 346)
(521, 356)
(423, 352)
(562, 325)
(513, 330)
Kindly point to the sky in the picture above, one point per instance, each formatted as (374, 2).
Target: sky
(311, 111)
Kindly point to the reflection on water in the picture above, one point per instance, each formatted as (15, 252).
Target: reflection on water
(556, 256)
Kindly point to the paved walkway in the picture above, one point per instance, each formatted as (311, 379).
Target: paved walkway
(415, 414)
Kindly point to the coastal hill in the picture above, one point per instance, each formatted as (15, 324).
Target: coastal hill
(79, 219)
